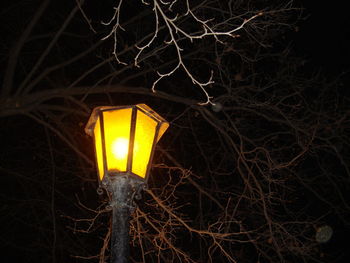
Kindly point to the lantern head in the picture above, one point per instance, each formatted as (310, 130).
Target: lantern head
(125, 138)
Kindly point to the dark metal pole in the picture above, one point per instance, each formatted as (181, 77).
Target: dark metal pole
(122, 193)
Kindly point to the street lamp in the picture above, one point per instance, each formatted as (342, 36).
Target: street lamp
(125, 138)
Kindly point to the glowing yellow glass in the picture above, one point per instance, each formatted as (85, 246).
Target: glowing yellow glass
(144, 137)
(114, 138)
(98, 149)
(163, 126)
(120, 148)
(117, 135)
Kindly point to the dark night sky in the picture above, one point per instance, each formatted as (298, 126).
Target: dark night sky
(324, 37)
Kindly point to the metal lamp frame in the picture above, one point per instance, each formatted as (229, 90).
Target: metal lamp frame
(107, 175)
(123, 186)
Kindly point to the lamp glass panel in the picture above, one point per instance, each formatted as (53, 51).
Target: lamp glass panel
(98, 149)
(144, 136)
(163, 127)
(164, 124)
(117, 135)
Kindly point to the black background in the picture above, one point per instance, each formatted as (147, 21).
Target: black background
(323, 37)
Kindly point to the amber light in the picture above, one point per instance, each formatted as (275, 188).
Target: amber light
(125, 138)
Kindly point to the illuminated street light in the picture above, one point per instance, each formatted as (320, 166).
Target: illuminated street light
(125, 138)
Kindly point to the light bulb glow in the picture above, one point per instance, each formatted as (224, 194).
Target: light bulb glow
(120, 148)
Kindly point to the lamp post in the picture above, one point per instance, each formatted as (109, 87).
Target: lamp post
(125, 138)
